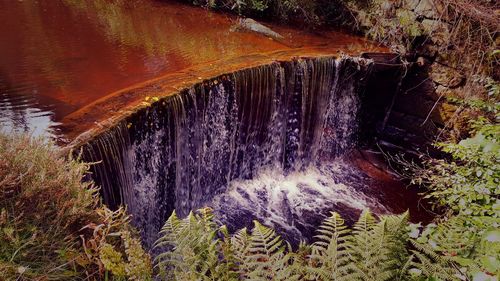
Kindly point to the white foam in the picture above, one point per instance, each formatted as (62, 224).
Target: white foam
(294, 203)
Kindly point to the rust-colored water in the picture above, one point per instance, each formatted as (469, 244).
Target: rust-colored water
(58, 56)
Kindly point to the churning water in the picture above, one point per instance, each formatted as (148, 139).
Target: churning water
(295, 203)
(262, 143)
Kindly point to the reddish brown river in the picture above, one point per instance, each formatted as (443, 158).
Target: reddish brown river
(58, 56)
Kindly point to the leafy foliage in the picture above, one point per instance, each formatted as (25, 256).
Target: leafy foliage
(195, 249)
(463, 244)
(312, 13)
(52, 226)
(470, 183)
(468, 186)
(472, 243)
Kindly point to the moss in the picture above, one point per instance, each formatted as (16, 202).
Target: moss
(52, 226)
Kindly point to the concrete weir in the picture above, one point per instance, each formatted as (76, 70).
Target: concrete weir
(216, 142)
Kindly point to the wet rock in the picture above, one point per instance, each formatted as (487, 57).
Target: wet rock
(409, 128)
(446, 76)
(422, 62)
(415, 105)
(433, 25)
(429, 51)
(252, 25)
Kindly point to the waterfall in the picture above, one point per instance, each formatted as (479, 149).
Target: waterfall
(186, 149)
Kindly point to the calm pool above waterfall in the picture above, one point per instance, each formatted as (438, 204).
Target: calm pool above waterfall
(59, 56)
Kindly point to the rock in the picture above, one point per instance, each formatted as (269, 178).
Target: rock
(442, 91)
(388, 9)
(252, 25)
(426, 8)
(429, 51)
(422, 62)
(446, 76)
(434, 26)
(445, 91)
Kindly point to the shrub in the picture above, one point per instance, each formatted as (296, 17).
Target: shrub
(468, 186)
(465, 186)
(52, 226)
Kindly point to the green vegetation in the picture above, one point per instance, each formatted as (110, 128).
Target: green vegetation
(52, 226)
(370, 251)
(468, 187)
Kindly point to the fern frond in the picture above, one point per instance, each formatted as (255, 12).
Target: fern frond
(379, 249)
(362, 235)
(240, 243)
(228, 267)
(431, 269)
(362, 245)
(170, 231)
(372, 251)
(265, 253)
(330, 253)
(192, 247)
(431, 263)
(397, 242)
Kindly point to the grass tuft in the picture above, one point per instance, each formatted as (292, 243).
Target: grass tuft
(52, 225)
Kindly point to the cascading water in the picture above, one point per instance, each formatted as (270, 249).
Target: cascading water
(257, 143)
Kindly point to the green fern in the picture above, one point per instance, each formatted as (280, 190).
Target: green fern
(430, 263)
(265, 254)
(195, 249)
(458, 243)
(331, 251)
(379, 249)
(397, 243)
(362, 246)
(192, 252)
(228, 267)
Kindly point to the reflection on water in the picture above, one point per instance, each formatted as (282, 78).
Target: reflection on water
(60, 55)
(22, 112)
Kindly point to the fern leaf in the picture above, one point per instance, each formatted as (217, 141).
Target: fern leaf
(431, 263)
(265, 253)
(330, 252)
(379, 249)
